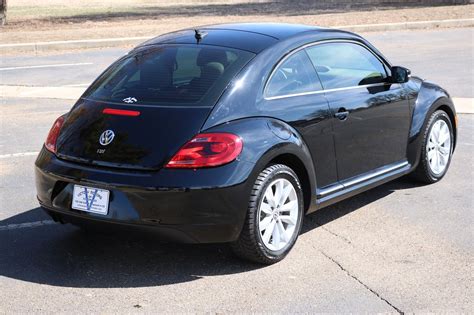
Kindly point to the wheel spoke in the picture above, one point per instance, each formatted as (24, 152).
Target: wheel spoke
(431, 144)
(444, 151)
(438, 162)
(434, 162)
(286, 193)
(444, 135)
(436, 130)
(278, 192)
(265, 207)
(268, 232)
(442, 159)
(283, 235)
(270, 198)
(289, 206)
(288, 219)
(431, 153)
(265, 222)
(276, 236)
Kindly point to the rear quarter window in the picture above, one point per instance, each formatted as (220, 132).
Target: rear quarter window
(170, 75)
(295, 75)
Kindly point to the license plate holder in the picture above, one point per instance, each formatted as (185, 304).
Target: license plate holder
(90, 199)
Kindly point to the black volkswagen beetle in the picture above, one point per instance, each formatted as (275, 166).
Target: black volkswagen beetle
(232, 133)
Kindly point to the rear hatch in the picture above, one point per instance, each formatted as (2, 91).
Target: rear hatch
(148, 104)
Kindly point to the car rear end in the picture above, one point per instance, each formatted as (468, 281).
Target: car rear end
(131, 151)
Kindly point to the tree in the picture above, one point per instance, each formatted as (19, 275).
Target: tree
(3, 12)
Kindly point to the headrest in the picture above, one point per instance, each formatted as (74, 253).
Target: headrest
(214, 69)
(209, 55)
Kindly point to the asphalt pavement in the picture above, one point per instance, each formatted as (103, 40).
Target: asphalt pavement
(401, 247)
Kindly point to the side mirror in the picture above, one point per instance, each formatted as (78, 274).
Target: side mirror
(399, 74)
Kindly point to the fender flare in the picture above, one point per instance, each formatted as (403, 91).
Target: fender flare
(430, 98)
(267, 139)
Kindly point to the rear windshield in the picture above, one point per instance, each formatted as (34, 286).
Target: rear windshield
(170, 75)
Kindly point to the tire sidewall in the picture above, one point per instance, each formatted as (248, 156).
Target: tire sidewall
(288, 174)
(437, 115)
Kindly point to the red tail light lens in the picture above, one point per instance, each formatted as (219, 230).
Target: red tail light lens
(207, 150)
(50, 142)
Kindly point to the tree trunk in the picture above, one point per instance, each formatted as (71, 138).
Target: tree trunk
(3, 12)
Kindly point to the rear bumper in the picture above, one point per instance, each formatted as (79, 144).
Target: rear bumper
(193, 206)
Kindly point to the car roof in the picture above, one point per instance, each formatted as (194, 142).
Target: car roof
(253, 37)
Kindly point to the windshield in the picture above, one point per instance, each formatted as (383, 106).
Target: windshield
(171, 75)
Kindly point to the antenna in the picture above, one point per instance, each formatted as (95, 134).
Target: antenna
(199, 35)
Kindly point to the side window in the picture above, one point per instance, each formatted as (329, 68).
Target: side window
(295, 75)
(342, 65)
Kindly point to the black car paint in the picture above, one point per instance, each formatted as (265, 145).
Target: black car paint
(209, 205)
(143, 142)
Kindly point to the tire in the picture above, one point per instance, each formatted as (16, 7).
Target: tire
(426, 171)
(263, 210)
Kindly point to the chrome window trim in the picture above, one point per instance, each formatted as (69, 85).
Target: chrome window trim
(327, 91)
(269, 98)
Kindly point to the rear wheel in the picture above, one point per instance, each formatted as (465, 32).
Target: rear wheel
(274, 216)
(437, 148)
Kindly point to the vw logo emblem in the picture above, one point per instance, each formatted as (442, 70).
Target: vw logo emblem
(106, 137)
(130, 100)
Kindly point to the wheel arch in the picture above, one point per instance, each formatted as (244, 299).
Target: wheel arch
(430, 98)
(268, 141)
(293, 162)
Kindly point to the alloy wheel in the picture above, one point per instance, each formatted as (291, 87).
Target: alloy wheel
(438, 147)
(278, 214)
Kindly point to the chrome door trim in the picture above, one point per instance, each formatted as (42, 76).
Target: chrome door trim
(351, 182)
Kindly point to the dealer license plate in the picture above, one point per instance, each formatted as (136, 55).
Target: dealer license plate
(90, 199)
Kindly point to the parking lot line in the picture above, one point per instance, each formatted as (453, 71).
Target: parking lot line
(6, 156)
(47, 66)
(26, 225)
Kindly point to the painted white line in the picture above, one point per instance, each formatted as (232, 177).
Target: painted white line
(79, 41)
(26, 225)
(47, 66)
(68, 93)
(7, 156)
(46, 112)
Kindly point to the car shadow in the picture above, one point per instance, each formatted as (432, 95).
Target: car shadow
(63, 255)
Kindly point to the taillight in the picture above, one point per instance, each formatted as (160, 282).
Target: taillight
(207, 150)
(121, 112)
(53, 134)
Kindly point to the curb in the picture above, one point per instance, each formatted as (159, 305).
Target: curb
(71, 44)
(464, 105)
(39, 47)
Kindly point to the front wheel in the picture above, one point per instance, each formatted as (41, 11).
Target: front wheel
(274, 216)
(437, 148)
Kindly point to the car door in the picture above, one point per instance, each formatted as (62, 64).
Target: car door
(370, 116)
(294, 95)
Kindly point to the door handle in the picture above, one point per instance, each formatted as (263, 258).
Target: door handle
(342, 114)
